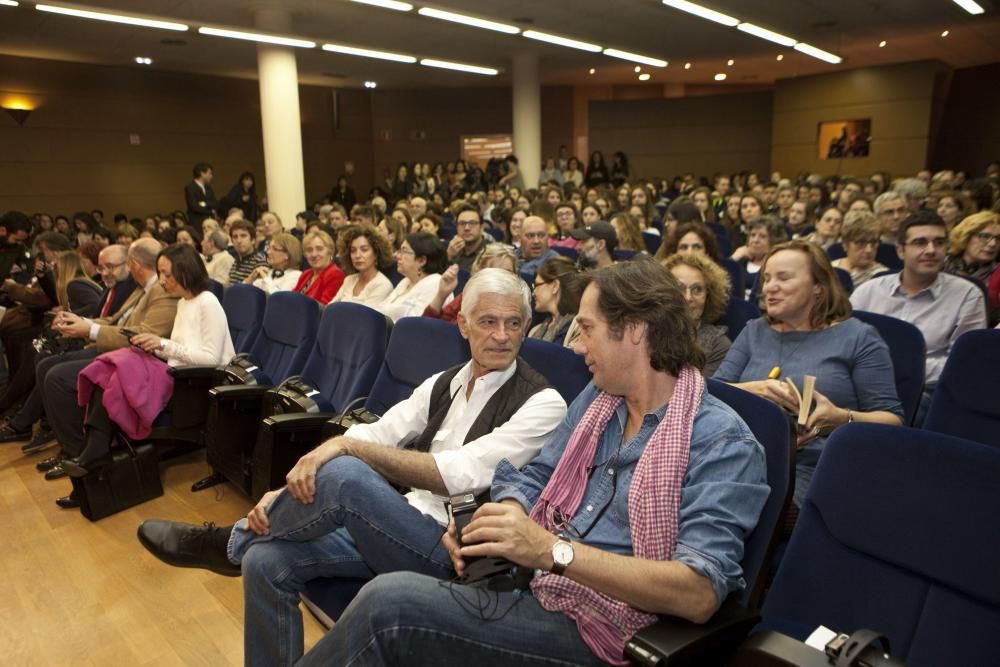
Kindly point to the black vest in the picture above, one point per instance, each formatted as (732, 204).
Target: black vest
(508, 399)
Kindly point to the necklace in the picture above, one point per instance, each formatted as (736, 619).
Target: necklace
(775, 373)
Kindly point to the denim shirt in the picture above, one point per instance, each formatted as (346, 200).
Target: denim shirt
(723, 494)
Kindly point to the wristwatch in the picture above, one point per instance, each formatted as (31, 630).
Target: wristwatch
(562, 555)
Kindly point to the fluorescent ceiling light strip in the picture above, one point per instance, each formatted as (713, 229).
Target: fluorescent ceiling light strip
(368, 53)
(458, 67)
(257, 37)
(468, 20)
(703, 12)
(764, 33)
(9, 3)
(635, 57)
(562, 41)
(387, 4)
(112, 18)
(970, 6)
(826, 56)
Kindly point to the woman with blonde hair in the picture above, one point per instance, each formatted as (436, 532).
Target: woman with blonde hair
(706, 290)
(860, 237)
(975, 243)
(281, 273)
(76, 292)
(629, 234)
(322, 280)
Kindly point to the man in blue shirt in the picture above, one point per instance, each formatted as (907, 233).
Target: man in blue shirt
(610, 545)
(534, 250)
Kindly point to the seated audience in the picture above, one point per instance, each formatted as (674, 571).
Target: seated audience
(763, 233)
(218, 262)
(420, 261)
(567, 219)
(706, 290)
(557, 289)
(597, 245)
(493, 256)
(890, 209)
(281, 273)
(799, 221)
(690, 237)
(322, 280)
(827, 230)
(953, 207)
(534, 248)
(429, 223)
(942, 306)
(246, 257)
(470, 239)
(200, 336)
(629, 234)
(375, 529)
(599, 578)
(860, 238)
(807, 329)
(364, 254)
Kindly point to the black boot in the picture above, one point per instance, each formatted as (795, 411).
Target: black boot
(187, 545)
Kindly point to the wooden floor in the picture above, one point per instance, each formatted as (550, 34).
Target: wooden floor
(74, 592)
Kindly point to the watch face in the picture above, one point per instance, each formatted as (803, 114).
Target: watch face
(562, 553)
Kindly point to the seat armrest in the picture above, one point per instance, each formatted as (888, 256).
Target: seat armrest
(675, 642)
(240, 392)
(192, 373)
(297, 421)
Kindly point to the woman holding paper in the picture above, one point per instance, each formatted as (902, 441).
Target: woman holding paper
(807, 329)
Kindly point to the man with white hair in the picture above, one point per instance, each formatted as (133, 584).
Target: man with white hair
(340, 515)
(890, 209)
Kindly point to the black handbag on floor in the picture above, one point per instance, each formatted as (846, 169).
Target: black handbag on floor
(132, 477)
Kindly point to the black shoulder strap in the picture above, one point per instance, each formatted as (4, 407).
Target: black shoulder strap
(441, 399)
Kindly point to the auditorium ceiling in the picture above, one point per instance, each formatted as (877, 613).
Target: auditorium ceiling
(851, 29)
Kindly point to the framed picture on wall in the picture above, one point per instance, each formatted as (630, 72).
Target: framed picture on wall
(838, 139)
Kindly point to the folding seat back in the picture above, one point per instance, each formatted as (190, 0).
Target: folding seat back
(845, 280)
(286, 335)
(738, 313)
(966, 401)
(418, 348)
(244, 306)
(216, 288)
(349, 351)
(908, 352)
(897, 534)
(737, 283)
(565, 370)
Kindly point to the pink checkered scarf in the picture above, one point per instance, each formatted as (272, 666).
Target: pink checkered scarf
(654, 499)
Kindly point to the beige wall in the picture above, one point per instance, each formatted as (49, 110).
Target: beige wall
(664, 137)
(898, 99)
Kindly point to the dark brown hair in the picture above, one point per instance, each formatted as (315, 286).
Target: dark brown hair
(641, 291)
(349, 233)
(706, 235)
(186, 266)
(571, 282)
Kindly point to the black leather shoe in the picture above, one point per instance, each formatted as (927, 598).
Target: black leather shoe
(68, 502)
(42, 440)
(187, 545)
(49, 463)
(55, 472)
(8, 434)
(79, 468)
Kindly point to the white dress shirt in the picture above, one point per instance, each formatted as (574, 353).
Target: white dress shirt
(200, 335)
(466, 467)
(219, 266)
(402, 303)
(286, 282)
(374, 293)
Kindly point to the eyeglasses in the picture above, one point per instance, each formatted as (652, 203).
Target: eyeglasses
(405, 251)
(538, 284)
(922, 243)
(986, 237)
(869, 243)
(106, 268)
(468, 223)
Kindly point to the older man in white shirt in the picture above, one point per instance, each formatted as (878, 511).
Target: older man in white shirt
(340, 515)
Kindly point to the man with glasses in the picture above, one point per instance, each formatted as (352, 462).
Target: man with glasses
(340, 515)
(470, 239)
(534, 250)
(942, 306)
(890, 209)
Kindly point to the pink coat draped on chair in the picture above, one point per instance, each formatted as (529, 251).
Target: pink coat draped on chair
(137, 386)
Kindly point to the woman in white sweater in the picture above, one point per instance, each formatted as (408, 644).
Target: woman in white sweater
(363, 252)
(420, 260)
(200, 337)
(281, 273)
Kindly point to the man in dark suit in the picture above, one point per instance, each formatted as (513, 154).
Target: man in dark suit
(200, 198)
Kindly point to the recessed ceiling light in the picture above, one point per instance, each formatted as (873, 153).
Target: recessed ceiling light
(369, 53)
(720, 76)
(635, 57)
(882, 44)
(142, 60)
(370, 84)
(731, 62)
(592, 70)
(459, 67)
(687, 65)
(781, 56)
(945, 33)
(764, 33)
(468, 20)
(819, 54)
(257, 37)
(562, 41)
(970, 6)
(644, 76)
(703, 12)
(638, 69)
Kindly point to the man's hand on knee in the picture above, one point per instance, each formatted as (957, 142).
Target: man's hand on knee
(302, 478)
(257, 518)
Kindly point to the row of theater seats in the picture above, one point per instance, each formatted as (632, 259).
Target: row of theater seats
(882, 566)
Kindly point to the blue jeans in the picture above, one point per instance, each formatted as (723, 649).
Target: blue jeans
(357, 527)
(412, 619)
